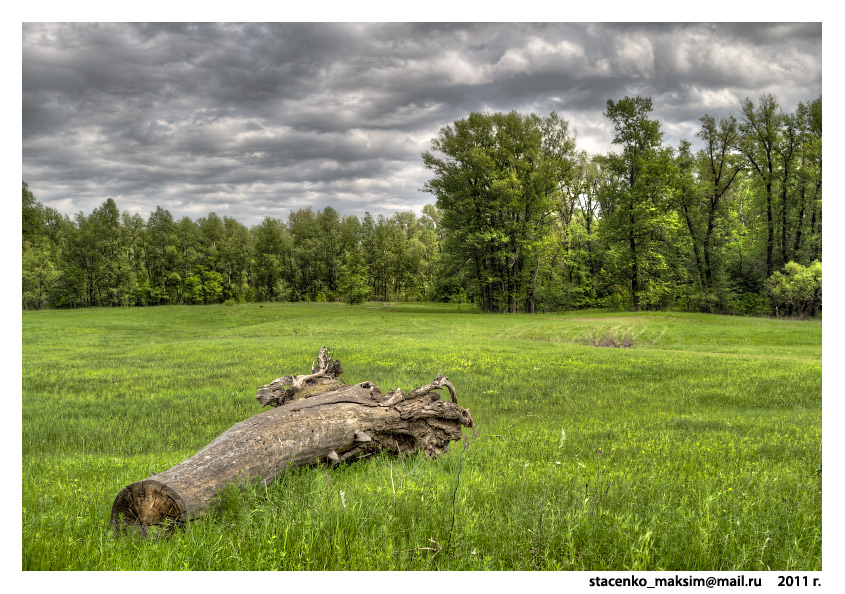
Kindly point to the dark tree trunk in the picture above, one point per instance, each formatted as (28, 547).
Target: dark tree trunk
(635, 273)
(695, 248)
(708, 239)
(532, 298)
(317, 419)
(796, 247)
(770, 239)
(816, 242)
(784, 254)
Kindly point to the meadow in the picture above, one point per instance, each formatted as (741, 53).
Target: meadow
(697, 448)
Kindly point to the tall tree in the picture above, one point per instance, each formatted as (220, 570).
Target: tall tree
(640, 197)
(189, 256)
(329, 250)
(134, 230)
(161, 256)
(496, 177)
(100, 250)
(787, 149)
(273, 269)
(688, 201)
(32, 216)
(38, 264)
(809, 121)
(720, 168)
(309, 263)
(235, 252)
(760, 127)
(703, 183)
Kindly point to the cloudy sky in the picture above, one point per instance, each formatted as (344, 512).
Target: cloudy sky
(251, 120)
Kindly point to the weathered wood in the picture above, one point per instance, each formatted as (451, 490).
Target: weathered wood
(317, 418)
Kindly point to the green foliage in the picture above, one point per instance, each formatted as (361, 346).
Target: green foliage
(523, 223)
(353, 285)
(204, 286)
(689, 451)
(704, 182)
(495, 176)
(797, 291)
(39, 276)
(32, 216)
(641, 190)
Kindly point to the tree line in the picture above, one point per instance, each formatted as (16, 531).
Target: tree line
(109, 258)
(532, 223)
(523, 222)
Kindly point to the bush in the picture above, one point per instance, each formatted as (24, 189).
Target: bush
(747, 304)
(459, 297)
(353, 287)
(797, 291)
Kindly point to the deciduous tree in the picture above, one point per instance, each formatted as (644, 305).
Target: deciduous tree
(496, 180)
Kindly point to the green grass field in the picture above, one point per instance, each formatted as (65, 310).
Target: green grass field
(698, 448)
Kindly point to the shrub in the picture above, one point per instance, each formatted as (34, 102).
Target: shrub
(797, 291)
(353, 287)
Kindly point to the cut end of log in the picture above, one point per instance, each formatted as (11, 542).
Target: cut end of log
(144, 504)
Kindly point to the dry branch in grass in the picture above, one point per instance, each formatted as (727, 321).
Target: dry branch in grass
(315, 418)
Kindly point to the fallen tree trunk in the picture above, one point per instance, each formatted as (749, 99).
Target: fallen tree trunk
(317, 418)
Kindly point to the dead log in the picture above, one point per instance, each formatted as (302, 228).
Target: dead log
(316, 419)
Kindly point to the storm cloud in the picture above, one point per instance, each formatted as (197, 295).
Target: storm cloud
(250, 120)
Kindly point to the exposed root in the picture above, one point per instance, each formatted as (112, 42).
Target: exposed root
(286, 388)
(439, 383)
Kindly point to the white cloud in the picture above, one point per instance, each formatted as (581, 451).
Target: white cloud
(539, 55)
(715, 99)
(633, 56)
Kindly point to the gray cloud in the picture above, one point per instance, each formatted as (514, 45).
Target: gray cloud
(250, 120)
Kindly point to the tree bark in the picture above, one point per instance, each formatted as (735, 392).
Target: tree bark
(770, 240)
(695, 248)
(635, 273)
(317, 419)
